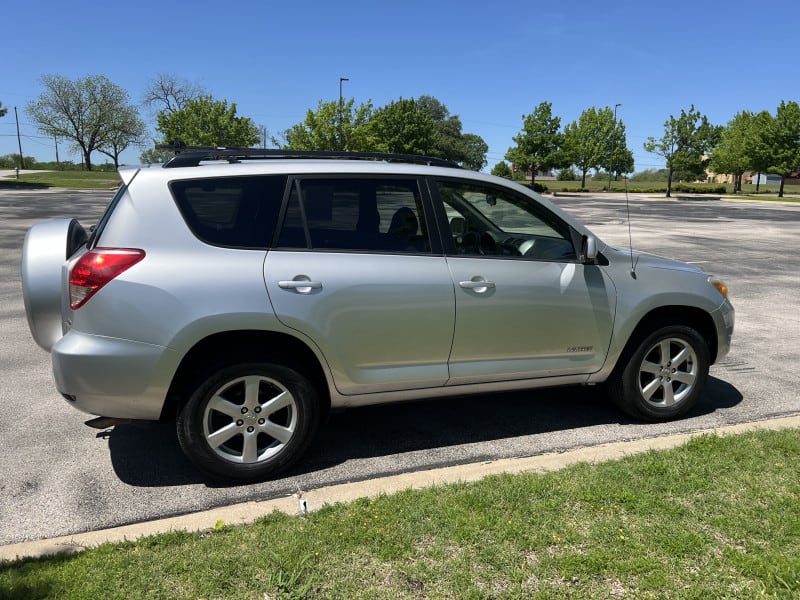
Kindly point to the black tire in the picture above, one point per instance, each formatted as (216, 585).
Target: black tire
(663, 376)
(250, 421)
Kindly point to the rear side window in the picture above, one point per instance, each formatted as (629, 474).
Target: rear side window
(237, 212)
(377, 215)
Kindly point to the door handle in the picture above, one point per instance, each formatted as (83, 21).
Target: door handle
(301, 286)
(477, 285)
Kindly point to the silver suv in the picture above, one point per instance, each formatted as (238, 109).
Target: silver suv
(243, 293)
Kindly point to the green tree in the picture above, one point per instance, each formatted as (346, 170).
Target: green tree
(91, 113)
(207, 122)
(732, 154)
(502, 169)
(685, 144)
(3, 111)
(403, 127)
(760, 144)
(784, 137)
(466, 149)
(588, 141)
(128, 129)
(538, 144)
(332, 127)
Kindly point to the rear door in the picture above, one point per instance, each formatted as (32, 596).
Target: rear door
(354, 268)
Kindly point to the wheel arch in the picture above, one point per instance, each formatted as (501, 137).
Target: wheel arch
(231, 347)
(691, 316)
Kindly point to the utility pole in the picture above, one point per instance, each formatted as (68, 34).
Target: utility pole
(341, 109)
(613, 146)
(19, 143)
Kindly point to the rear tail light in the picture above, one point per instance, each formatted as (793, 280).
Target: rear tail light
(96, 268)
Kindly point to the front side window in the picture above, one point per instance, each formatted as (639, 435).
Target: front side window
(355, 214)
(489, 221)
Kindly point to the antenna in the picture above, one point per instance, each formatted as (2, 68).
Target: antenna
(630, 235)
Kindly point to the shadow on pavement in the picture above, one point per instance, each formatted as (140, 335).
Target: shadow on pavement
(149, 455)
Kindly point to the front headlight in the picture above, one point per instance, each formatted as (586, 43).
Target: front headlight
(720, 285)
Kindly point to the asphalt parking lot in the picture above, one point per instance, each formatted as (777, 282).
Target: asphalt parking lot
(60, 477)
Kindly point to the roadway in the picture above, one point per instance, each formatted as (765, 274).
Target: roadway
(60, 477)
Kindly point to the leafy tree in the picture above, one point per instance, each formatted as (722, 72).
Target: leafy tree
(403, 127)
(128, 129)
(207, 122)
(3, 111)
(93, 113)
(332, 127)
(569, 174)
(170, 94)
(760, 150)
(784, 135)
(475, 149)
(685, 144)
(732, 154)
(467, 149)
(538, 144)
(502, 169)
(588, 141)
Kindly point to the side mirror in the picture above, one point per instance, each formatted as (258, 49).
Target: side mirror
(589, 249)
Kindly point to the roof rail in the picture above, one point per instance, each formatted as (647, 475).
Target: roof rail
(192, 156)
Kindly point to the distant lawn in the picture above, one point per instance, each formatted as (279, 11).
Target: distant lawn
(660, 187)
(63, 179)
(716, 518)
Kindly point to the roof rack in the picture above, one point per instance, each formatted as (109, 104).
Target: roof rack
(192, 156)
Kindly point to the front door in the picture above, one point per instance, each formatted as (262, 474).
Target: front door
(525, 306)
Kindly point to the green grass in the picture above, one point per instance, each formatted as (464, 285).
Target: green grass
(716, 518)
(63, 179)
(660, 187)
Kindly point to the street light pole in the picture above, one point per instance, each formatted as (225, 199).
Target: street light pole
(341, 109)
(613, 145)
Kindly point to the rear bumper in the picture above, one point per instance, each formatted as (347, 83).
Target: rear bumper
(113, 377)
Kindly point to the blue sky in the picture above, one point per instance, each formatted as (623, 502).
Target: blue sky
(488, 62)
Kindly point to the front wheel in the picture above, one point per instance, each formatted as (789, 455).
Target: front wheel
(664, 376)
(250, 421)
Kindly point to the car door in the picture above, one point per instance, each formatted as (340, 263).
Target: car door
(355, 270)
(526, 307)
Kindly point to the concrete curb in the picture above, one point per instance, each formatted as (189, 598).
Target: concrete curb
(247, 512)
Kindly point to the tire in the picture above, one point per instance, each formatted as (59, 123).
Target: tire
(249, 421)
(664, 375)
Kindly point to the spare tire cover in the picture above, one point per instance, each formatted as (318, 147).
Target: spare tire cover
(47, 246)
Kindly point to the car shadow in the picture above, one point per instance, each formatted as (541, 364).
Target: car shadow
(148, 455)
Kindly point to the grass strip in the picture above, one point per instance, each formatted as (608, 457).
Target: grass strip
(63, 179)
(716, 518)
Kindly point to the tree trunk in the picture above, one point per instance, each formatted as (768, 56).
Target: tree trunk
(669, 183)
(87, 160)
(583, 178)
(780, 190)
(758, 181)
(533, 176)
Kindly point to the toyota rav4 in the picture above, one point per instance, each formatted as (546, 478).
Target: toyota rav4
(243, 293)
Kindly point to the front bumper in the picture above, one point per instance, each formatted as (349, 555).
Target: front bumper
(113, 377)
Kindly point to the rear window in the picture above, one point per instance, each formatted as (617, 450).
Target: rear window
(237, 212)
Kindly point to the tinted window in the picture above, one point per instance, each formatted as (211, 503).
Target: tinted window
(239, 212)
(355, 214)
(489, 221)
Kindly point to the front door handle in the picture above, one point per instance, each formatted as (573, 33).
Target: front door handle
(300, 284)
(477, 285)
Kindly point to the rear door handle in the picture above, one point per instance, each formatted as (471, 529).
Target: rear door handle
(301, 286)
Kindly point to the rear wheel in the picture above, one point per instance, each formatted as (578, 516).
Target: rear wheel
(663, 376)
(249, 421)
